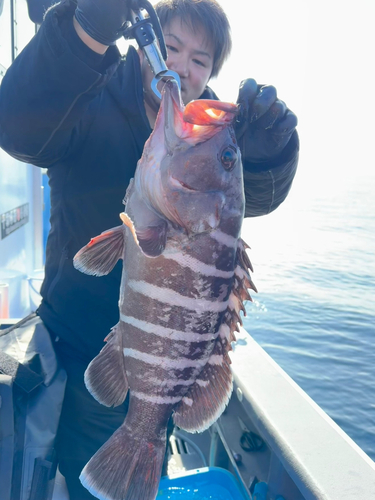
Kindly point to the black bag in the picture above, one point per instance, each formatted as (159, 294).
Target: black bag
(32, 386)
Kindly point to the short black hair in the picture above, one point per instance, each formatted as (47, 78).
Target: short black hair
(207, 14)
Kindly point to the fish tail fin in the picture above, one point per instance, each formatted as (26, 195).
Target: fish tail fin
(128, 466)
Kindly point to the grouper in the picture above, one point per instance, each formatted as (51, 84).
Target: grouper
(185, 278)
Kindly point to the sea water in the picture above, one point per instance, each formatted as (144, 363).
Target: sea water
(314, 262)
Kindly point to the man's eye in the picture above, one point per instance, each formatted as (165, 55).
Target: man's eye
(200, 63)
(171, 48)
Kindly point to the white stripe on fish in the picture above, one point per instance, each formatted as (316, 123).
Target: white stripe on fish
(202, 383)
(187, 401)
(224, 331)
(168, 383)
(224, 238)
(173, 298)
(159, 400)
(166, 363)
(240, 272)
(216, 359)
(162, 331)
(197, 266)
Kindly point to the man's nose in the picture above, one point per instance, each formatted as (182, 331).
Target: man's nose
(180, 65)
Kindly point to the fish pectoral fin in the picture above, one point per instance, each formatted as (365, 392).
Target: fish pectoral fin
(101, 254)
(152, 239)
(210, 394)
(105, 377)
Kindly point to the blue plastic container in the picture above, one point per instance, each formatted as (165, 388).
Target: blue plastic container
(208, 483)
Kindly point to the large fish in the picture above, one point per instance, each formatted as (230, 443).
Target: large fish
(185, 277)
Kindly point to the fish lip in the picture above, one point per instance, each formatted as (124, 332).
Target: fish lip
(181, 185)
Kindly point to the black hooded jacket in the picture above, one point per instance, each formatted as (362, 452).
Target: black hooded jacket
(82, 116)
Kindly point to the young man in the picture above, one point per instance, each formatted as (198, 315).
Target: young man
(71, 104)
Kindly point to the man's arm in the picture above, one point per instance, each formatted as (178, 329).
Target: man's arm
(47, 90)
(94, 45)
(268, 184)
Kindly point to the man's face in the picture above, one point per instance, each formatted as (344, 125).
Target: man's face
(190, 55)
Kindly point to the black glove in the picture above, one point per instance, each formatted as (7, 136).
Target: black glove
(105, 20)
(264, 124)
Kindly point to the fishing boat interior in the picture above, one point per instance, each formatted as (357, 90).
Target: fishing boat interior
(273, 442)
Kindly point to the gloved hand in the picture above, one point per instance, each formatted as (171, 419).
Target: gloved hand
(264, 124)
(105, 20)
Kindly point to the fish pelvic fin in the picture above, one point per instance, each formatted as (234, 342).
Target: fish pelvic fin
(127, 467)
(152, 240)
(207, 398)
(105, 377)
(148, 229)
(101, 254)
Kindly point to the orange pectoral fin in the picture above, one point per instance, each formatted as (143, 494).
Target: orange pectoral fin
(101, 254)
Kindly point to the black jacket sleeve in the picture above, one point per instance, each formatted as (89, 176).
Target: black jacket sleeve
(46, 91)
(268, 184)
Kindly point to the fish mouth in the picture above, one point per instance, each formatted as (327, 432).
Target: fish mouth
(182, 185)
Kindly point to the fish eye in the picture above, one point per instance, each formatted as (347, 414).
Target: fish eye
(228, 158)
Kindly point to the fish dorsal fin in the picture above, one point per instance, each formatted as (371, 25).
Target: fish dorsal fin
(101, 254)
(208, 397)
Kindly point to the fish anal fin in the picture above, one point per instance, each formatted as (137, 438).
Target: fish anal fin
(105, 377)
(210, 394)
(101, 254)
